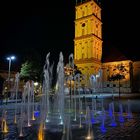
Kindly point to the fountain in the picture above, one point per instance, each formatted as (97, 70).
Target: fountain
(129, 113)
(80, 117)
(75, 110)
(103, 129)
(112, 115)
(67, 135)
(121, 118)
(88, 118)
(4, 127)
(41, 132)
(28, 104)
(60, 81)
(32, 94)
(25, 107)
(16, 94)
(58, 117)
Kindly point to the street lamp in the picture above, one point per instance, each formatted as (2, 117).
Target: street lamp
(10, 58)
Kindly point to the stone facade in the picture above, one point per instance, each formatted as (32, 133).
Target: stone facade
(136, 76)
(88, 51)
(88, 37)
(109, 69)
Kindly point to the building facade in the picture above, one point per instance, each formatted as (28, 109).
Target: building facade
(88, 51)
(88, 37)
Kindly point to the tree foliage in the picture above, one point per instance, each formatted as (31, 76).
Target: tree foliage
(30, 70)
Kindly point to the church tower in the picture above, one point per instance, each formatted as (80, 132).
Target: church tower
(88, 37)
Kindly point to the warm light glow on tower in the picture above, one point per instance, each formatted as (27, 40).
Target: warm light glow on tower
(88, 37)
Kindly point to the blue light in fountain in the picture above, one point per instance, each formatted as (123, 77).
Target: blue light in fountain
(36, 113)
(92, 119)
(112, 116)
(129, 114)
(113, 123)
(103, 129)
(121, 118)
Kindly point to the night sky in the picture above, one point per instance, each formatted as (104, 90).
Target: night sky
(28, 29)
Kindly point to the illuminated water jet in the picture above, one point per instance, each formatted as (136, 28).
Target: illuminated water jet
(41, 132)
(4, 126)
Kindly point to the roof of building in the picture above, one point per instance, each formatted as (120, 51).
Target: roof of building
(113, 54)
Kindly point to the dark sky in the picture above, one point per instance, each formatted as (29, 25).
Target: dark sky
(39, 28)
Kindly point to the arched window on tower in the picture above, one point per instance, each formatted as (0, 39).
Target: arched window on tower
(97, 56)
(97, 29)
(83, 28)
(83, 31)
(83, 55)
(83, 13)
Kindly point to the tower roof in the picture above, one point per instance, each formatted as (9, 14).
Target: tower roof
(79, 2)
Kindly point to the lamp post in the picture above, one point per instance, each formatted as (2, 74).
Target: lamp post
(10, 58)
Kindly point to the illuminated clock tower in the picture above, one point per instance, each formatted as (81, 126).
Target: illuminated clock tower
(88, 37)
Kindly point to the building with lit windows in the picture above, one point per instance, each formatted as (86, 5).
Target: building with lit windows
(88, 51)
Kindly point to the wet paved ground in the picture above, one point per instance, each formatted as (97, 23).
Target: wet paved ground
(129, 130)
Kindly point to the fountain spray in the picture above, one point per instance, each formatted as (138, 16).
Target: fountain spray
(4, 126)
(16, 87)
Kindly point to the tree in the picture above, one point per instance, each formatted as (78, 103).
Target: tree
(31, 70)
(119, 73)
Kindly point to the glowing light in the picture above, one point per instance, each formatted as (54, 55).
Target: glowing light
(41, 132)
(29, 125)
(60, 117)
(11, 58)
(21, 134)
(93, 120)
(88, 138)
(61, 123)
(80, 126)
(15, 119)
(47, 120)
(103, 129)
(33, 117)
(36, 84)
(113, 124)
(36, 113)
(74, 119)
(4, 126)
(121, 119)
